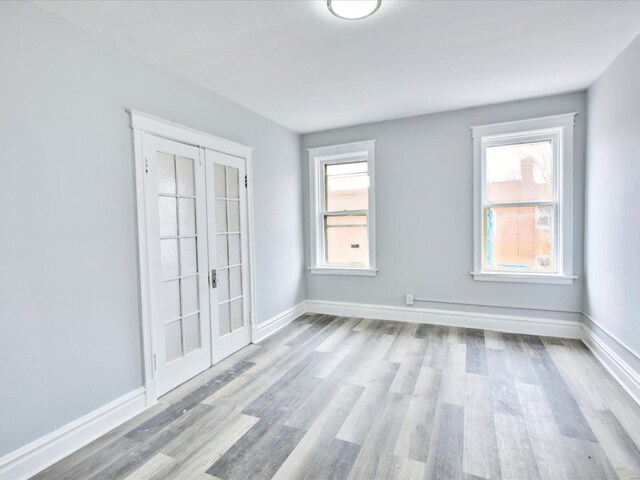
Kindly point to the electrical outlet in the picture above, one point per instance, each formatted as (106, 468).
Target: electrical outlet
(409, 299)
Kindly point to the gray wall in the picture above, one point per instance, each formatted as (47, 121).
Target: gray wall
(424, 212)
(612, 236)
(69, 321)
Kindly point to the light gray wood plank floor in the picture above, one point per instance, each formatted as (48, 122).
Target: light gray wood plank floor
(348, 398)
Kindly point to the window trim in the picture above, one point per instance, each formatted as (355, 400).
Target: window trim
(318, 158)
(559, 128)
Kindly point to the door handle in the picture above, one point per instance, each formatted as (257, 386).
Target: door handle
(213, 279)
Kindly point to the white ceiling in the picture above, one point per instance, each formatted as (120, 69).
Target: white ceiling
(293, 62)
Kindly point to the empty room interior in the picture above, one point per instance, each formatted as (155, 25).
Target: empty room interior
(320, 239)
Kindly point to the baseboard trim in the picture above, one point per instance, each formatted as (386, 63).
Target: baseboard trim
(47, 450)
(549, 327)
(271, 326)
(620, 370)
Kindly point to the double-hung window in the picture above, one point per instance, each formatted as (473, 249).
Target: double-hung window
(523, 192)
(342, 204)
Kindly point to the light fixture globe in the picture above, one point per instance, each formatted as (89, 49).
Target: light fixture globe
(353, 9)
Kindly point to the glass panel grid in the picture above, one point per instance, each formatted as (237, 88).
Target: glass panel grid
(228, 248)
(179, 264)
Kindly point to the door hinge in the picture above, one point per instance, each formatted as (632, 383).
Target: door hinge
(146, 164)
(155, 361)
(246, 181)
(213, 279)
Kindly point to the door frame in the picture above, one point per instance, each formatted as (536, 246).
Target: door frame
(144, 124)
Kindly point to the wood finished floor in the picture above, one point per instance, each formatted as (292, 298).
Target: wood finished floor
(347, 398)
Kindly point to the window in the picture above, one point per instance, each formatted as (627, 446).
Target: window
(342, 209)
(523, 200)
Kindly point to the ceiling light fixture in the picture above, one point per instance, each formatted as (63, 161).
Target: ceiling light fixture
(353, 9)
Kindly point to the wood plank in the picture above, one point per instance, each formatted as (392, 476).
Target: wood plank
(306, 461)
(375, 459)
(546, 439)
(446, 446)
(517, 460)
(480, 454)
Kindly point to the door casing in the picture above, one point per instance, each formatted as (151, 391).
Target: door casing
(142, 124)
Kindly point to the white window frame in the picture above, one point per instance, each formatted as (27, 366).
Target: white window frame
(558, 129)
(318, 158)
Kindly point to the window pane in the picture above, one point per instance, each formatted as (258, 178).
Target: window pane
(521, 172)
(347, 186)
(514, 240)
(187, 216)
(346, 240)
(224, 319)
(186, 185)
(232, 182)
(169, 259)
(173, 340)
(166, 174)
(191, 327)
(189, 295)
(219, 180)
(168, 216)
(188, 256)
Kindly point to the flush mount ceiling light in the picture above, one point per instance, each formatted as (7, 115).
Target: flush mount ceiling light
(353, 9)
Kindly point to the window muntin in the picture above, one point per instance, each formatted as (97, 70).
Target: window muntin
(342, 204)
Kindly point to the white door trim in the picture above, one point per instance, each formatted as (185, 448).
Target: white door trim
(141, 124)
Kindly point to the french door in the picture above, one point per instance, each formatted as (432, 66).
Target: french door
(198, 258)
(177, 248)
(229, 253)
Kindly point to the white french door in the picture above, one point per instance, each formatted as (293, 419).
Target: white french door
(197, 258)
(228, 253)
(175, 203)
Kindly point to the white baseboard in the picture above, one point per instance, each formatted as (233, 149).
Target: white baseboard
(271, 326)
(549, 327)
(45, 451)
(624, 374)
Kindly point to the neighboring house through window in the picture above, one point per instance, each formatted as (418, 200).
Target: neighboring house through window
(342, 209)
(523, 200)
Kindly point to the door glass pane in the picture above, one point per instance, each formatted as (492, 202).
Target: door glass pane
(234, 249)
(173, 340)
(224, 318)
(191, 327)
(166, 174)
(223, 285)
(347, 186)
(346, 240)
(236, 314)
(168, 216)
(232, 182)
(188, 256)
(169, 259)
(219, 181)
(221, 216)
(519, 238)
(520, 172)
(235, 282)
(170, 301)
(189, 295)
(234, 216)
(221, 247)
(187, 216)
(186, 185)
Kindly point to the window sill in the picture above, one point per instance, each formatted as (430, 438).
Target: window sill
(524, 277)
(362, 272)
